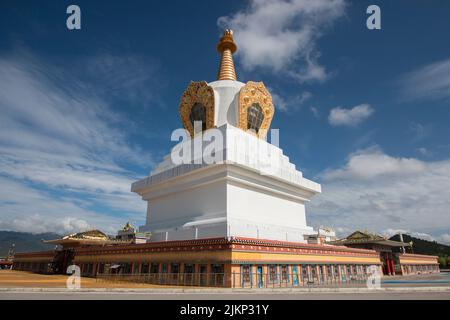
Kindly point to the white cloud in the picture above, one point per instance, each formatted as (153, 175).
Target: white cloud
(428, 82)
(36, 223)
(28, 209)
(376, 191)
(372, 163)
(275, 35)
(126, 78)
(420, 131)
(279, 102)
(444, 238)
(315, 112)
(292, 103)
(424, 152)
(350, 117)
(62, 151)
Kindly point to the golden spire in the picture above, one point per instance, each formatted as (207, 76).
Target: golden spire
(226, 47)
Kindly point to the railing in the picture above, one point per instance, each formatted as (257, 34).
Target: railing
(298, 281)
(171, 279)
(236, 280)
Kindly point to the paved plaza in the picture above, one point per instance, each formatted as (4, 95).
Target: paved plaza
(25, 285)
(413, 295)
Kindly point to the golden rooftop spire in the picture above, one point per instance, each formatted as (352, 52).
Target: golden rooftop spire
(226, 47)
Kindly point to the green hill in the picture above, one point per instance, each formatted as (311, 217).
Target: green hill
(421, 246)
(25, 241)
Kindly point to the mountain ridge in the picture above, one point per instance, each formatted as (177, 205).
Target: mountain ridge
(422, 246)
(25, 241)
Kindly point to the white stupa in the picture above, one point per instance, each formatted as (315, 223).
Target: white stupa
(252, 190)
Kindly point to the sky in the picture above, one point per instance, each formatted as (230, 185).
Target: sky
(84, 113)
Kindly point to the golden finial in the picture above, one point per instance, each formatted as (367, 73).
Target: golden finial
(226, 47)
(127, 227)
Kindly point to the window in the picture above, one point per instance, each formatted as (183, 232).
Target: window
(154, 268)
(246, 273)
(188, 272)
(284, 273)
(198, 113)
(188, 268)
(144, 268)
(90, 268)
(328, 271)
(336, 271)
(217, 277)
(304, 272)
(272, 273)
(203, 268)
(255, 117)
(313, 271)
(217, 268)
(321, 272)
(126, 268)
(174, 268)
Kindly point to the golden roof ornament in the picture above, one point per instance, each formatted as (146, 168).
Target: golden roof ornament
(127, 227)
(226, 47)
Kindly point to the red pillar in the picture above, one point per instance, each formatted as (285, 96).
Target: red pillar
(388, 264)
(392, 266)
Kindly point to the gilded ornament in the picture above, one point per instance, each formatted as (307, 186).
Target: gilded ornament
(197, 92)
(251, 93)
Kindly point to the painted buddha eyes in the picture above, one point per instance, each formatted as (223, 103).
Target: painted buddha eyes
(255, 117)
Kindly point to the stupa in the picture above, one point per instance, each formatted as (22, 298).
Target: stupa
(246, 187)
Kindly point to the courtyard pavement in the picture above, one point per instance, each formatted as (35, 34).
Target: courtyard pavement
(25, 285)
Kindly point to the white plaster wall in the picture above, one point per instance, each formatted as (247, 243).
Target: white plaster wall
(245, 149)
(249, 229)
(264, 209)
(229, 204)
(190, 232)
(226, 97)
(193, 205)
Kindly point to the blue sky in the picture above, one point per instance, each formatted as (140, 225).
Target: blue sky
(364, 112)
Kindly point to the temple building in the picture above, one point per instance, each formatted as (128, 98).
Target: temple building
(7, 262)
(229, 212)
(393, 256)
(129, 233)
